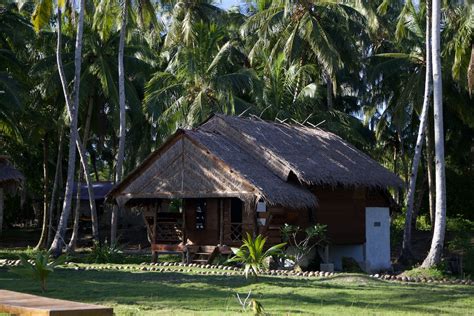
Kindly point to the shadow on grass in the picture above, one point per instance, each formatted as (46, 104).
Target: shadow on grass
(184, 291)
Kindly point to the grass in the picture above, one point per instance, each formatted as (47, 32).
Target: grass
(84, 256)
(178, 293)
(425, 273)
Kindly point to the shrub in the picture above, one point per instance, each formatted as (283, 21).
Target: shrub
(461, 242)
(301, 247)
(252, 254)
(423, 223)
(105, 253)
(435, 273)
(38, 268)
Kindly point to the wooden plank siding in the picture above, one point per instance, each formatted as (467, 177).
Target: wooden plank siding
(343, 211)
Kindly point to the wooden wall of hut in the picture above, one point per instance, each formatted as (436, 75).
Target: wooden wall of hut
(343, 211)
(218, 227)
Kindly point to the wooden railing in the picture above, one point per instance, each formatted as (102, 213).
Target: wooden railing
(168, 231)
(236, 231)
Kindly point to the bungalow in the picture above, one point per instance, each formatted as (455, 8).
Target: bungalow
(205, 187)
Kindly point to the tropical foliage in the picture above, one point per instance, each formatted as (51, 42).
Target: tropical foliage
(253, 255)
(39, 268)
(356, 68)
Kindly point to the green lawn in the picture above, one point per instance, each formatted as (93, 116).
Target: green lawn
(142, 293)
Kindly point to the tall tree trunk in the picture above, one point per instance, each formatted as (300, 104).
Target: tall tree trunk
(56, 245)
(94, 166)
(122, 131)
(406, 253)
(470, 72)
(55, 187)
(44, 230)
(430, 170)
(329, 91)
(2, 197)
(419, 200)
(434, 256)
(77, 208)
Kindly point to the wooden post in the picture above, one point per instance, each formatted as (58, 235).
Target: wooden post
(221, 222)
(155, 220)
(184, 257)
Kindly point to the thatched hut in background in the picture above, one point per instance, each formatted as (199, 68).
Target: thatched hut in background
(10, 180)
(235, 175)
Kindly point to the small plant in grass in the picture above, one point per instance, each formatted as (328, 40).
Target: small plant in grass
(302, 241)
(38, 268)
(252, 254)
(105, 253)
(246, 303)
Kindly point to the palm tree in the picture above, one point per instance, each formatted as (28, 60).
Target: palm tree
(103, 21)
(58, 240)
(123, 126)
(434, 256)
(207, 75)
(307, 33)
(41, 18)
(406, 245)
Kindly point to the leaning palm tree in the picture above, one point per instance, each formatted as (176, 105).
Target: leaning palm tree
(73, 108)
(406, 245)
(434, 256)
(40, 18)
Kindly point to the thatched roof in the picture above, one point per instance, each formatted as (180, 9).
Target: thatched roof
(10, 177)
(270, 187)
(242, 157)
(315, 156)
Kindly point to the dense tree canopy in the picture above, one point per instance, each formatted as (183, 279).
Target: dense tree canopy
(353, 67)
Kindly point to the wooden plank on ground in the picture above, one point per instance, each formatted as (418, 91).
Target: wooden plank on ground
(16, 303)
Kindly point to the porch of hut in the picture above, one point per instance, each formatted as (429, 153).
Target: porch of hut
(197, 228)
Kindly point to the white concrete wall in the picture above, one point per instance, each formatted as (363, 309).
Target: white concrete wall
(337, 252)
(377, 234)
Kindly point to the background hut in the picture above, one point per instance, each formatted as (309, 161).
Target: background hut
(10, 180)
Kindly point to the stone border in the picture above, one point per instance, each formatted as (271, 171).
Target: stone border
(229, 270)
(406, 279)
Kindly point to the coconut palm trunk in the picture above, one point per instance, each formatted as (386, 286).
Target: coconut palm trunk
(434, 256)
(122, 131)
(55, 187)
(406, 245)
(77, 208)
(44, 230)
(58, 240)
(430, 171)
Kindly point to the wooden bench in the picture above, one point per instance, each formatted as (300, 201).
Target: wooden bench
(15, 303)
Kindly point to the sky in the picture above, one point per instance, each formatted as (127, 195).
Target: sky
(226, 4)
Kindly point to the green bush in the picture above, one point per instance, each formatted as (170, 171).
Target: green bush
(461, 242)
(299, 246)
(105, 253)
(435, 273)
(423, 223)
(396, 230)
